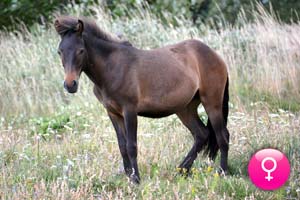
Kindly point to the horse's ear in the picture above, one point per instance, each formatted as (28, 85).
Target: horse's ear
(56, 25)
(79, 27)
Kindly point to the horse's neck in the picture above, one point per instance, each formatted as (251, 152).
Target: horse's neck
(100, 47)
(98, 51)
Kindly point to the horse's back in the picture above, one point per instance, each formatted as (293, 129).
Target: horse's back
(203, 54)
(199, 58)
(191, 53)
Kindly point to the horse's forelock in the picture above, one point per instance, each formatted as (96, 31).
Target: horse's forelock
(64, 24)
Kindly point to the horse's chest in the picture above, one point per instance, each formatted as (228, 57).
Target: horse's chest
(112, 106)
(109, 103)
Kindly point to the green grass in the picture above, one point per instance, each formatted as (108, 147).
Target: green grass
(86, 162)
(249, 95)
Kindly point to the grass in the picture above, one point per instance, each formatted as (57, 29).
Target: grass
(262, 58)
(247, 95)
(85, 162)
(59, 146)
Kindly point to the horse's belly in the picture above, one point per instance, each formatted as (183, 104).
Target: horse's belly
(153, 114)
(166, 104)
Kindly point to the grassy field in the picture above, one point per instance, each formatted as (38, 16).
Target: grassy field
(55, 145)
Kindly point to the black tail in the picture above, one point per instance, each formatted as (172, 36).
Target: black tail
(212, 145)
(225, 102)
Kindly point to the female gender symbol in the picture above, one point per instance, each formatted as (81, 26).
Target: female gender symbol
(269, 161)
(269, 177)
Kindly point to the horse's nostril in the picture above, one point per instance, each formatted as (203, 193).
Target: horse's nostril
(72, 86)
(74, 83)
(65, 85)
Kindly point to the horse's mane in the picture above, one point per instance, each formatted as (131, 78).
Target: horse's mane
(63, 24)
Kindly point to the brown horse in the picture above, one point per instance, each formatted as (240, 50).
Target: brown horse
(131, 82)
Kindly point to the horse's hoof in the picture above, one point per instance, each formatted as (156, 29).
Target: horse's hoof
(183, 172)
(128, 172)
(135, 179)
(222, 172)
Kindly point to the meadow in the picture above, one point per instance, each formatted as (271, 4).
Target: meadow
(55, 145)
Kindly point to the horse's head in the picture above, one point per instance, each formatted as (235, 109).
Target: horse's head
(71, 50)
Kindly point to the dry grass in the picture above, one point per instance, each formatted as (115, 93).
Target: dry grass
(262, 56)
(82, 160)
(59, 146)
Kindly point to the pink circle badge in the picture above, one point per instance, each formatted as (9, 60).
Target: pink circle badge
(269, 169)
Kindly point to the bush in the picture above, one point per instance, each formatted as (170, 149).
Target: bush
(29, 12)
(211, 11)
(13, 12)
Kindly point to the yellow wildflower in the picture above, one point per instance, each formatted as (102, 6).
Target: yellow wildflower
(216, 175)
(209, 169)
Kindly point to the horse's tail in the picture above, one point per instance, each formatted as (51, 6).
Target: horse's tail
(225, 107)
(212, 145)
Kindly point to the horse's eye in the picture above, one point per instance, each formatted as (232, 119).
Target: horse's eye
(59, 52)
(80, 51)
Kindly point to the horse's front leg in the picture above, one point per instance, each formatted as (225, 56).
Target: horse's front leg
(131, 146)
(118, 123)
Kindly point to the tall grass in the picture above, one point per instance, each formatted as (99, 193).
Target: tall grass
(77, 157)
(262, 57)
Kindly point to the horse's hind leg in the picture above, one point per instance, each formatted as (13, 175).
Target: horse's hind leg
(215, 114)
(191, 120)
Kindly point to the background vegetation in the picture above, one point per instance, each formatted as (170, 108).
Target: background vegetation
(28, 12)
(55, 145)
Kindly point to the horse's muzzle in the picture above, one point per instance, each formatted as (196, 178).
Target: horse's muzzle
(71, 88)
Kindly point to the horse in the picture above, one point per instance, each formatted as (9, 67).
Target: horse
(132, 82)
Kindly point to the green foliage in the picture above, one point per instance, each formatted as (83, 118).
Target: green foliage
(249, 95)
(207, 11)
(46, 126)
(29, 12)
(7, 156)
(13, 12)
(80, 167)
(286, 10)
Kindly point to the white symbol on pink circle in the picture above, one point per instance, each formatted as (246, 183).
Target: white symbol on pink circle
(269, 177)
